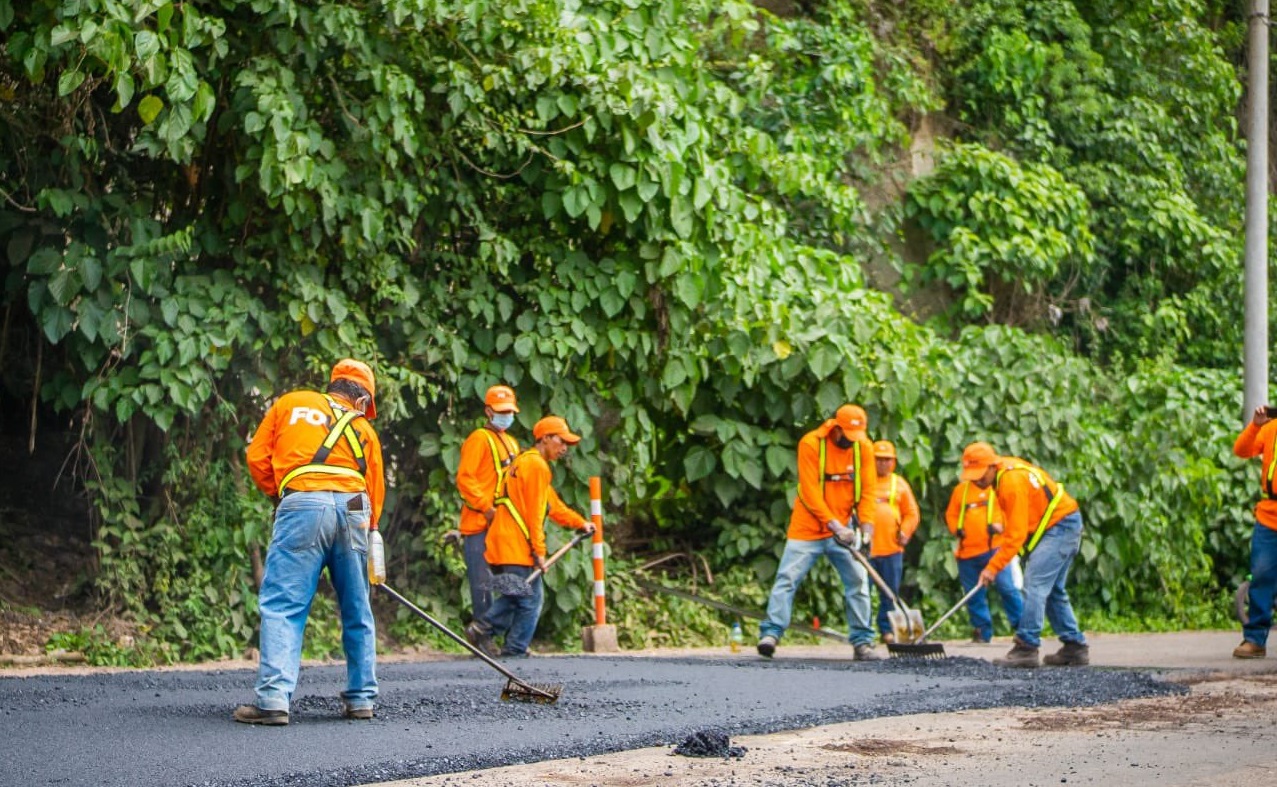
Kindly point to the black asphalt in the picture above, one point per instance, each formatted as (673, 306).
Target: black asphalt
(174, 728)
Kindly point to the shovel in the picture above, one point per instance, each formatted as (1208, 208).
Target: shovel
(906, 624)
(919, 648)
(515, 687)
(511, 585)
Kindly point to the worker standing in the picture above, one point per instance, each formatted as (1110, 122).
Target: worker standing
(834, 510)
(319, 457)
(974, 518)
(516, 538)
(1044, 521)
(1257, 439)
(485, 455)
(895, 521)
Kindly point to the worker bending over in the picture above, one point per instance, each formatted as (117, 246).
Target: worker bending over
(895, 521)
(1257, 439)
(974, 518)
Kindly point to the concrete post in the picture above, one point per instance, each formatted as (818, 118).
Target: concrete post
(1256, 276)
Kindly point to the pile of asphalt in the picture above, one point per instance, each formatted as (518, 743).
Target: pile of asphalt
(709, 743)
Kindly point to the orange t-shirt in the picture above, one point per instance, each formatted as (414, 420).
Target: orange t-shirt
(478, 473)
(1258, 441)
(897, 512)
(981, 508)
(813, 510)
(1023, 502)
(527, 484)
(293, 430)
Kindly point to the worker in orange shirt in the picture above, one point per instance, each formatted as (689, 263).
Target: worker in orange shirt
(318, 456)
(834, 510)
(974, 518)
(516, 538)
(1044, 521)
(1257, 440)
(895, 521)
(485, 455)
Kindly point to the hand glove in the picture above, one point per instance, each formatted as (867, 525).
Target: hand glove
(588, 528)
(844, 535)
(452, 537)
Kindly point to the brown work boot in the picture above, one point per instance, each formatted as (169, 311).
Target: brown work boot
(978, 638)
(251, 714)
(1249, 650)
(865, 652)
(357, 713)
(1073, 654)
(1020, 655)
(481, 639)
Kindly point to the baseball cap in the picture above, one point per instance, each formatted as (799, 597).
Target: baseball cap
(976, 459)
(553, 424)
(852, 419)
(883, 449)
(358, 372)
(501, 399)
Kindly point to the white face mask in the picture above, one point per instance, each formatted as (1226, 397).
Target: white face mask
(503, 421)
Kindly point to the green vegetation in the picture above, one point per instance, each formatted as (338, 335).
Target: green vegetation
(649, 216)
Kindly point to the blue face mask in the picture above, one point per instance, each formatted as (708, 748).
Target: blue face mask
(503, 421)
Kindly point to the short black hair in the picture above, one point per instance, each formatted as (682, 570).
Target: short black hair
(348, 389)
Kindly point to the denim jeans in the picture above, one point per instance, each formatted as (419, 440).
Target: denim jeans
(1044, 579)
(515, 616)
(1263, 584)
(314, 531)
(891, 568)
(978, 607)
(797, 560)
(477, 573)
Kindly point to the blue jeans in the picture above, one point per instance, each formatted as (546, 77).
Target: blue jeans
(515, 616)
(1044, 578)
(478, 574)
(978, 607)
(891, 568)
(795, 562)
(1263, 584)
(314, 531)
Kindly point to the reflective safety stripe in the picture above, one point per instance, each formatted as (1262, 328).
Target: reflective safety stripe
(504, 500)
(988, 513)
(1052, 498)
(318, 463)
(1269, 492)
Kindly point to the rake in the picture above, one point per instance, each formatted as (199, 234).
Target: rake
(906, 624)
(515, 688)
(920, 648)
(514, 585)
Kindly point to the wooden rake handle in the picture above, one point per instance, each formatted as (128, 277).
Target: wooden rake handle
(949, 614)
(563, 550)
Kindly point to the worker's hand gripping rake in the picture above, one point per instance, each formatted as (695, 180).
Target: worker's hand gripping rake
(515, 688)
(906, 624)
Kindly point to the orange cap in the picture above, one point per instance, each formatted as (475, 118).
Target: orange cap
(883, 449)
(852, 419)
(358, 372)
(552, 424)
(976, 459)
(501, 399)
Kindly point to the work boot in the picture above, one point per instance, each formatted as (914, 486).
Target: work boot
(251, 714)
(480, 639)
(888, 638)
(767, 646)
(979, 638)
(1020, 655)
(1249, 650)
(865, 652)
(357, 713)
(1073, 654)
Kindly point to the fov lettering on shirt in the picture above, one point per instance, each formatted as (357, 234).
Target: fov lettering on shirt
(308, 414)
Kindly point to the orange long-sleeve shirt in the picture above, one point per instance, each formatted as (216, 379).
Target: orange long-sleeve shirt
(478, 473)
(1023, 502)
(976, 539)
(897, 512)
(813, 510)
(288, 437)
(1258, 441)
(527, 484)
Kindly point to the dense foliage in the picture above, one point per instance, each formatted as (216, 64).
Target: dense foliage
(648, 216)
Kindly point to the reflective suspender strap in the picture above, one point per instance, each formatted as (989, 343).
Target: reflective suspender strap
(806, 505)
(1053, 500)
(504, 500)
(1272, 465)
(318, 464)
(891, 496)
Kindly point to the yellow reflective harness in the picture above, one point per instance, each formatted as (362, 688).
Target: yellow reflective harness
(504, 500)
(1052, 498)
(498, 465)
(988, 514)
(1269, 492)
(318, 463)
(854, 476)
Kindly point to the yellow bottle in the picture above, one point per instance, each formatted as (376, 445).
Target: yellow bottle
(376, 559)
(738, 637)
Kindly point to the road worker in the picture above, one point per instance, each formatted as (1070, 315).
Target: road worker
(895, 521)
(974, 518)
(834, 510)
(1257, 439)
(516, 538)
(317, 455)
(1044, 521)
(485, 455)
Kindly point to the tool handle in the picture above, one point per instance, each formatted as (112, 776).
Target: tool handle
(949, 614)
(496, 665)
(877, 578)
(578, 538)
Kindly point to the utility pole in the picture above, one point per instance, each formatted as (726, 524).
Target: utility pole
(1256, 280)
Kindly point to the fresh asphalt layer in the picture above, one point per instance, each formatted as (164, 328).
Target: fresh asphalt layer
(174, 727)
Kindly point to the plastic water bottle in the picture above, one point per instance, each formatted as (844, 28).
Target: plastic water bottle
(738, 637)
(376, 559)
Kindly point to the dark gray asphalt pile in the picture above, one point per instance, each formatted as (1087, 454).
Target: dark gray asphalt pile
(709, 743)
(174, 728)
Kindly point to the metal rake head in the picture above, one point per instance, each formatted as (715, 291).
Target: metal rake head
(926, 650)
(544, 693)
